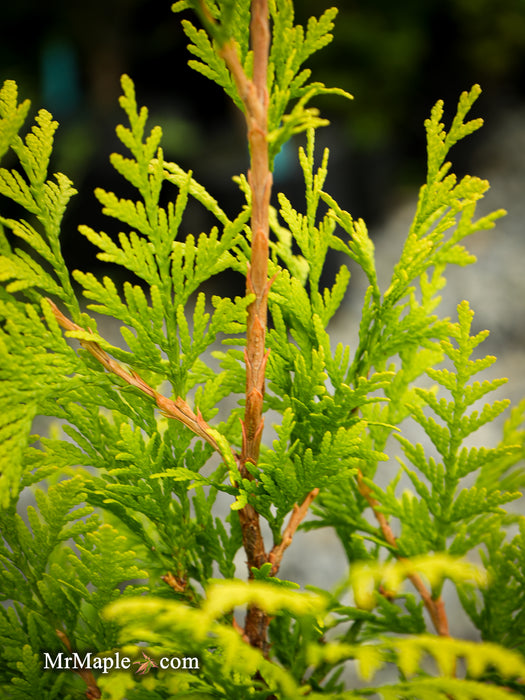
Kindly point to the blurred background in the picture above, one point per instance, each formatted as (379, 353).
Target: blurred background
(396, 59)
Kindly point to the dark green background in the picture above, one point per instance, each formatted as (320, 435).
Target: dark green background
(397, 58)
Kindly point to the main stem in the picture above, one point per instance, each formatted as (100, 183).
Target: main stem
(254, 94)
(260, 180)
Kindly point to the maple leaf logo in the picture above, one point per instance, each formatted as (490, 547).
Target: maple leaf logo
(145, 666)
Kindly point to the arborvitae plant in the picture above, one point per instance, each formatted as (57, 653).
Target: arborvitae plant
(124, 550)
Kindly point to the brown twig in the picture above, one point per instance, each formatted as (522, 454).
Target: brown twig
(254, 96)
(296, 518)
(93, 691)
(178, 409)
(435, 606)
(178, 584)
(240, 630)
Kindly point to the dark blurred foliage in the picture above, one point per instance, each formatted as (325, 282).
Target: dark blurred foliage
(396, 58)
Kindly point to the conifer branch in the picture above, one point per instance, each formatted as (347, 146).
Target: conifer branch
(435, 606)
(178, 409)
(331, 406)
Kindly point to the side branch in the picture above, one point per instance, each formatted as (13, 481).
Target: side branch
(178, 409)
(296, 518)
(93, 691)
(435, 606)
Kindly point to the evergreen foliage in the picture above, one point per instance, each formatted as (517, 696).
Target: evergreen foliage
(112, 536)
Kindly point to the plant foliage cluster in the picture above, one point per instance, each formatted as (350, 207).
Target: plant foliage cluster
(123, 544)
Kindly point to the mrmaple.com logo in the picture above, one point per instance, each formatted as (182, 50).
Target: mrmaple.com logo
(89, 661)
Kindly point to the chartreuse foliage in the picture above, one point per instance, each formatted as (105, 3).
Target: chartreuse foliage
(112, 535)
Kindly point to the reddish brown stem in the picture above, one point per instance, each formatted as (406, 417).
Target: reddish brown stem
(93, 691)
(178, 409)
(296, 518)
(260, 180)
(435, 606)
(254, 95)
